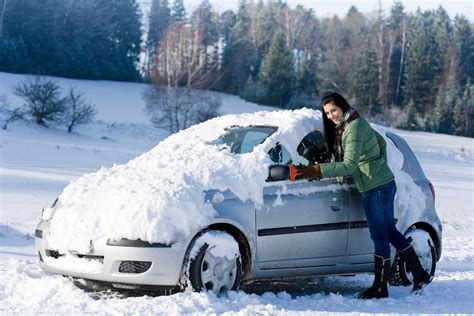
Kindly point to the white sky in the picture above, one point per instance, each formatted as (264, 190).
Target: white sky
(324, 8)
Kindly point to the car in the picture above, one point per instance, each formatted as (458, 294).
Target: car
(211, 208)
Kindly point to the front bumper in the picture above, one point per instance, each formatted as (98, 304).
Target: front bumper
(121, 266)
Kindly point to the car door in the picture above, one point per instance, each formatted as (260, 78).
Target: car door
(303, 224)
(360, 248)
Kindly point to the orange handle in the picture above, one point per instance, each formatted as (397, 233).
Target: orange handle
(293, 173)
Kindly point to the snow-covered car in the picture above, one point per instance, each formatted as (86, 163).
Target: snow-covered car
(207, 208)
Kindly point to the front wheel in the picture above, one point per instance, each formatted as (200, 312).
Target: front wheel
(426, 251)
(215, 263)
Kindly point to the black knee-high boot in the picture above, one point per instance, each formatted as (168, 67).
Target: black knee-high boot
(382, 275)
(420, 276)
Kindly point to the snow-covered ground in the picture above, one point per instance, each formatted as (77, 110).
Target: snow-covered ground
(37, 163)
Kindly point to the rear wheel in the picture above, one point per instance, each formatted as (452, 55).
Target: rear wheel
(215, 263)
(426, 251)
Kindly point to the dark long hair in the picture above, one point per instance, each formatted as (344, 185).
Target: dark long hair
(329, 127)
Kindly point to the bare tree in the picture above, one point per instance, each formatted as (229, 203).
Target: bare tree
(9, 113)
(76, 110)
(180, 62)
(160, 107)
(42, 97)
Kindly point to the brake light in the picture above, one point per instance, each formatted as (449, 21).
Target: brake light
(432, 190)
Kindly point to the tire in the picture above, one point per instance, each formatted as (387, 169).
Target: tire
(212, 270)
(400, 274)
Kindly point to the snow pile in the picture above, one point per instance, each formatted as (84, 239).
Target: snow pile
(409, 196)
(74, 263)
(221, 244)
(158, 197)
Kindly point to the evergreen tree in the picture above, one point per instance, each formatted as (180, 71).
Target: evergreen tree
(277, 72)
(178, 12)
(442, 30)
(397, 27)
(422, 64)
(411, 122)
(84, 37)
(95, 39)
(464, 112)
(159, 20)
(464, 44)
(444, 108)
(226, 22)
(235, 60)
(306, 80)
(205, 20)
(29, 27)
(367, 80)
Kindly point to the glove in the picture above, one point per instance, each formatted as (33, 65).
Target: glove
(305, 172)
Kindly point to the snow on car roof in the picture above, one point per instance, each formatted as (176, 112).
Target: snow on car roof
(158, 196)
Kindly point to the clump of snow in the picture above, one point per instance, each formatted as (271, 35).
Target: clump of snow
(409, 196)
(75, 263)
(220, 244)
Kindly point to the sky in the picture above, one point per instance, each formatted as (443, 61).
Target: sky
(325, 8)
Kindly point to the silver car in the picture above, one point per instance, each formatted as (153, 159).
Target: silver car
(321, 232)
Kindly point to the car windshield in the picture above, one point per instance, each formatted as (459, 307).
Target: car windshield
(242, 140)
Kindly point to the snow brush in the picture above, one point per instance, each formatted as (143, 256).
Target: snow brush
(294, 172)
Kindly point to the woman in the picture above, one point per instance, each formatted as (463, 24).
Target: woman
(361, 153)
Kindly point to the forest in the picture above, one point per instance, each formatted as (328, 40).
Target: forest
(410, 70)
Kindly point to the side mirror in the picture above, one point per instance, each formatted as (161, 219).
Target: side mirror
(278, 173)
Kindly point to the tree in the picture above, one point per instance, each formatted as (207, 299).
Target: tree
(178, 64)
(444, 108)
(8, 113)
(277, 72)
(367, 78)
(411, 121)
(42, 97)
(236, 63)
(422, 64)
(169, 111)
(464, 112)
(464, 45)
(205, 20)
(94, 39)
(159, 20)
(397, 28)
(121, 57)
(76, 110)
(178, 12)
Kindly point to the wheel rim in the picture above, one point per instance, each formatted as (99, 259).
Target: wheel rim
(218, 273)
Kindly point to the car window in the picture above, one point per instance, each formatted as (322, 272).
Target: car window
(242, 140)
(313, 148)
(280, 155)
(252, 139)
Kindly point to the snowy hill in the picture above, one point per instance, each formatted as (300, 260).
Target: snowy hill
(37, 163)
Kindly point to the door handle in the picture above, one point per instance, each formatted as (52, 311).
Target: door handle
(337, 204)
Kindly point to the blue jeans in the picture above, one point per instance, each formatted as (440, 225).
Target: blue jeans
(378, 206)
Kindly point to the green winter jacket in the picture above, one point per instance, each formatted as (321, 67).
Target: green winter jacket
(365, 157)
